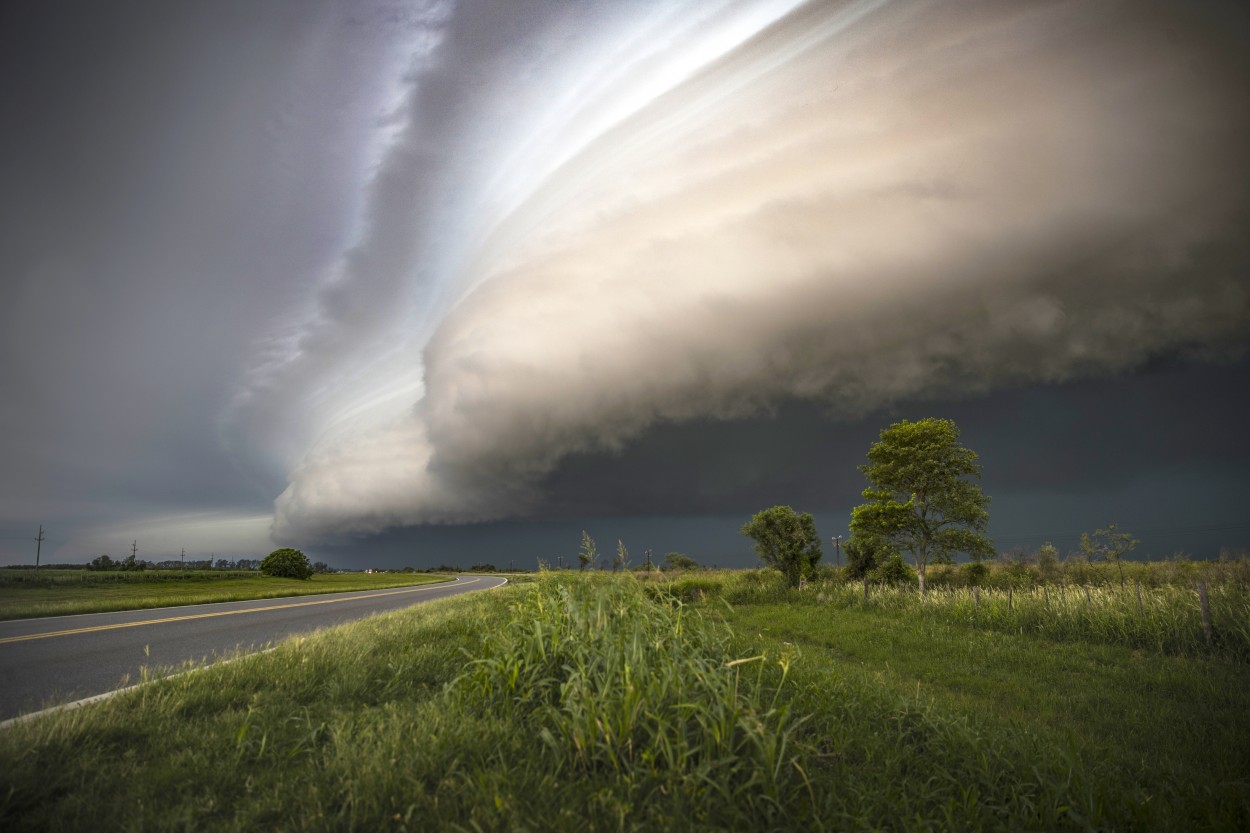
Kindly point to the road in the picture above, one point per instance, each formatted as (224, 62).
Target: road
(60, 659)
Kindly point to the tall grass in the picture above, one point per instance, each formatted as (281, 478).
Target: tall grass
(616, 685)
(574, 703)
(1168, 619)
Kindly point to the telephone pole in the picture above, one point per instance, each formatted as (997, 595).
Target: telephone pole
(837, 546)
(184, 558)
(134, 549)
(38, 546)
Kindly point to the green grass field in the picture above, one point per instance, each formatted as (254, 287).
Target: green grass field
(609, 703)
(24, 595)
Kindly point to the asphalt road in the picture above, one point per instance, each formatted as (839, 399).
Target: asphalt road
(59, 659)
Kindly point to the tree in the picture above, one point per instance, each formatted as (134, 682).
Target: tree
(322, 567)
(101, 562)
(919, 500)
(786, 541)
(1108, 545)
(587, 554)
(621, 561)
(287, 563)
(863, 555)
(678, 562)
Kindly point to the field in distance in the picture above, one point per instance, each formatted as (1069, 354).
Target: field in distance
(25, 594)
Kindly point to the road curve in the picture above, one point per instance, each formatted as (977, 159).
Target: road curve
(59, 659)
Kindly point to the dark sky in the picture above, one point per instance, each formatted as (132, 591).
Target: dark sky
(419, 282)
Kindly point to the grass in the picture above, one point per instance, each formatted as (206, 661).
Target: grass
(612, 703)
(96, 592)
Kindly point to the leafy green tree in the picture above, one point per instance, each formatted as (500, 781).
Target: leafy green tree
(919, 500)
(287, 563)
(587, 554)
(786, 541)
(1108, 545)
(101, 562)
(679, 562)
(863, 555)
(893, 570)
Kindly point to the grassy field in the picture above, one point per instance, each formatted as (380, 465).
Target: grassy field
(609, 703)
(62, 592)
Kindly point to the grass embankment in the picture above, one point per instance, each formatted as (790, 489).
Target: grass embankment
(25, 596)
(604, 703)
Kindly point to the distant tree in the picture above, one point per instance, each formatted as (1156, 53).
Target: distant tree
(322, 567)
(243, 564)
(587, 554)
(679, 562)
(1047, 556)
(287, 563)
(101, 562)
(919, 500)
(785, 541)
(483, 568)
(131, 564)
(223, 564)
(621, 561)
(1108, 545)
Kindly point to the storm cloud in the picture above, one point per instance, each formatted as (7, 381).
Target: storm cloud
(854, 204)
(430, 272)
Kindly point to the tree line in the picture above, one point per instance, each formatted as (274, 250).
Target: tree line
(921, 500)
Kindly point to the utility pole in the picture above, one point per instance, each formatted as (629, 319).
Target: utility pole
(837, 546)
(184, 559)
(38, 546)
(134, 549)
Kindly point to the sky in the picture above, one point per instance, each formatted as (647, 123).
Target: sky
(432, 282)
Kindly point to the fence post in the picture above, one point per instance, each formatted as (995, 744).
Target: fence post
(865, 589)
(1009, 597)
(1140, 613)
(1206, 611)
(976, 595)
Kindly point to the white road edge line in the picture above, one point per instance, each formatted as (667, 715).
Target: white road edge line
(96, 698)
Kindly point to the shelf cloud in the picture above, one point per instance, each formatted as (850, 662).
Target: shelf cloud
(613, 219)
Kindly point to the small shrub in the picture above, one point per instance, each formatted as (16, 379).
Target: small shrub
(894, 571)
(975, 573)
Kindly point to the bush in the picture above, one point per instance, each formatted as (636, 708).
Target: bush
(976, 573)
(287, 563)
(893, 570)
(863, 555)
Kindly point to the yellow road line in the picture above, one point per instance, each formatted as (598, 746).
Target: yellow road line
(49, 634)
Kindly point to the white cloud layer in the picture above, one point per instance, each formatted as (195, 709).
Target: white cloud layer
(854, 203)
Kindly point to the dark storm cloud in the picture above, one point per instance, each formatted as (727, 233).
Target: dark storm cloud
(423, 262)
(175, 176)
(865, 205)
(1081, 438)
